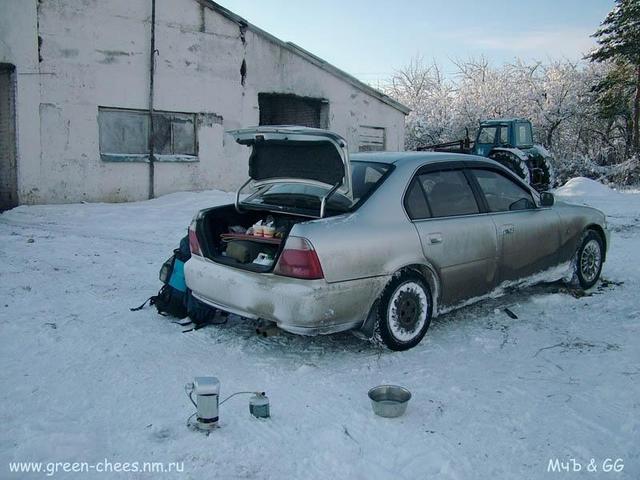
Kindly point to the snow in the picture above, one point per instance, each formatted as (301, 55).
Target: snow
(543, 151)
(581, 186)
(85, 379)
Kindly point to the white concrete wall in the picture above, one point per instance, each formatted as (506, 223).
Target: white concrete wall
(96, 53)
(19, 46)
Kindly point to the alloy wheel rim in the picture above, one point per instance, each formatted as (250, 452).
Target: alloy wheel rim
(590, 260)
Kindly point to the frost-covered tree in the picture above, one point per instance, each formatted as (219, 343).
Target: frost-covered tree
(484, 92)
(584, 124)
(423, 88)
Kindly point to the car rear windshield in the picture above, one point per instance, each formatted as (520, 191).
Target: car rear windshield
(365, 178)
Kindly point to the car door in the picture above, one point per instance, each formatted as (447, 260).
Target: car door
(528, 235)
(459, 241)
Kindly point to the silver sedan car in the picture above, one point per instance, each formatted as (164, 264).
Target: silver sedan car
(379, 242)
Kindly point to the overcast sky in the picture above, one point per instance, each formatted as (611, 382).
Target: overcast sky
(372, 38)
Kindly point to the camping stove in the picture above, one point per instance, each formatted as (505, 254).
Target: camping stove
(207, 403)
(207, 392)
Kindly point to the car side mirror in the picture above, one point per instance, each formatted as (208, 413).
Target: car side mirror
(547, 199)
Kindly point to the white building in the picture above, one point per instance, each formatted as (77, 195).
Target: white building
(75, 83)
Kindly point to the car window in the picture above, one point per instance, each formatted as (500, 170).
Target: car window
(365, 176)
(502, 193)
(487, 134)
(448, 193)
(415, 203)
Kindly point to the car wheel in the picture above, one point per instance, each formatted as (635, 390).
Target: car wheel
(588, 262)
(404, 312)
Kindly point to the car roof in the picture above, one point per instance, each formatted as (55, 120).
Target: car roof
(407, 158)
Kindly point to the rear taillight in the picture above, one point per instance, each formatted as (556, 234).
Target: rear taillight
(194, 245)
(299, 260)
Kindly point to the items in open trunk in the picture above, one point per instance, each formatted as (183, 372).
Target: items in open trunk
(258, 244)
(251, 240)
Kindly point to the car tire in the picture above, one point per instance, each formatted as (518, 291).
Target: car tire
(404, 312)
(588, 260)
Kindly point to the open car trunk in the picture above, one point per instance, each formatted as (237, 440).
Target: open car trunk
(308, 158)
(223, 236)
(290, 154)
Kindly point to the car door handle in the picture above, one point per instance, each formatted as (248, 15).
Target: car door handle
(508, 229)
(435, 238)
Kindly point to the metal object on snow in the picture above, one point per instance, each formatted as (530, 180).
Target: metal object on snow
(207, 403)
(389, 400)
(259, 405)
(207, 392)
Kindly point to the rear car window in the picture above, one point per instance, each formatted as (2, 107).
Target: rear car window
(365, 177)
(502, 194)
(449, 193)
(415, 203)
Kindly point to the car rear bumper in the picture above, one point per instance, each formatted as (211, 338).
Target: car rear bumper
(306, 307)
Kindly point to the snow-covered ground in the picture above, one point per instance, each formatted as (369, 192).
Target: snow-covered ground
(84, 379)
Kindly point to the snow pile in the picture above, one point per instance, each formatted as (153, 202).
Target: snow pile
(584, 187)
(619, 206)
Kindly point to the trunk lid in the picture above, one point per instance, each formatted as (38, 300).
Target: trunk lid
(291, 154)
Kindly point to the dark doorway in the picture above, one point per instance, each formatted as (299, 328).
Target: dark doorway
(287, 109)
(8, 163)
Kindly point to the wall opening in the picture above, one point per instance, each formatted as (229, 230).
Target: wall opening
(8, 150)
(371, 139)
(287, 109)
(124, 135)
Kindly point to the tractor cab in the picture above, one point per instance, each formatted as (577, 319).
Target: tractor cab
(505, 133)
(508, 141)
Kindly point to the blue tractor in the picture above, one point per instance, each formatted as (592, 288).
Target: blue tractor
(508, 141)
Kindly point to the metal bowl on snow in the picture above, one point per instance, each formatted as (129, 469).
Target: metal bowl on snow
(389, 400)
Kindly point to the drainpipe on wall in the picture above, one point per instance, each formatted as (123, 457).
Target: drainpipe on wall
(152, 71)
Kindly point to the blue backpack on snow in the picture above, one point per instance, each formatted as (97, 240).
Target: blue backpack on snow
(174, 298)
